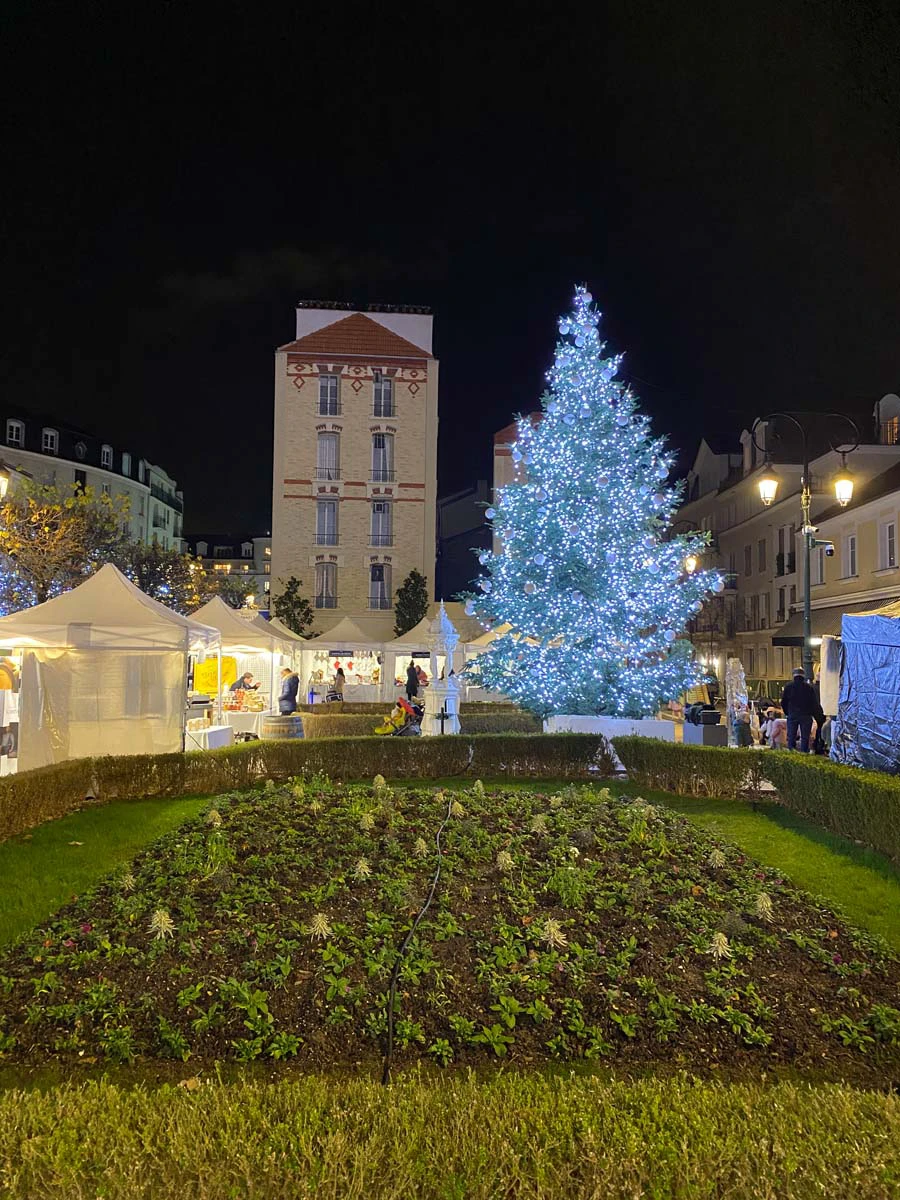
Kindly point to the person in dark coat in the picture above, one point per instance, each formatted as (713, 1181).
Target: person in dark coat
(412, 682)
(800, 705)
(290, 685)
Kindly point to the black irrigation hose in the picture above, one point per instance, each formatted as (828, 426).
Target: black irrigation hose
(401, 953)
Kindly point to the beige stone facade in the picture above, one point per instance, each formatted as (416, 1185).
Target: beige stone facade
(758, 617)
(355, 461)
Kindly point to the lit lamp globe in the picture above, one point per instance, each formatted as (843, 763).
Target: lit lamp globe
(843, 487)
(768, 486)
(691, 563)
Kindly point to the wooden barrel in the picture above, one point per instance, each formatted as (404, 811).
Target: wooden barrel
(277, 727)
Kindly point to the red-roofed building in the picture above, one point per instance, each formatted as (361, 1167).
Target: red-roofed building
(355, 461)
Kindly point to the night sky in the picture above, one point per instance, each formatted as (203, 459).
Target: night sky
(725, 178)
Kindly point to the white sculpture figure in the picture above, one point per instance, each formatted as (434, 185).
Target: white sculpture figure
(442, 694)
(736, 702)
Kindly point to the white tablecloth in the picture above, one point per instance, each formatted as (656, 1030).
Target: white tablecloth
(246, 722)
(208, 739)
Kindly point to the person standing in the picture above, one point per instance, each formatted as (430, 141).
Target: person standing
(339, 681)
(290, 685)
(412, 682)
(800, 706)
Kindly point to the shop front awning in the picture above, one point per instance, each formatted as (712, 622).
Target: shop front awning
(826, 622)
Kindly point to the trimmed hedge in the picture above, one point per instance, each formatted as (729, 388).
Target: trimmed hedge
(36, 796)
(862, 805)
(327, 724)
(688, 770)
(857, 804)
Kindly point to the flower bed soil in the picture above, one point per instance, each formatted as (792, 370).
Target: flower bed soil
(574, 926)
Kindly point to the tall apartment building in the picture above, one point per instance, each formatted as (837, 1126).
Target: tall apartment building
(54, 452)
(758, 617)
(355, 459)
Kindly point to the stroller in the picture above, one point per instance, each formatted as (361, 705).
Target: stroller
(404, 721)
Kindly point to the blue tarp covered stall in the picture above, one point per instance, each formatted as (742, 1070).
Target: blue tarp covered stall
(867, 728)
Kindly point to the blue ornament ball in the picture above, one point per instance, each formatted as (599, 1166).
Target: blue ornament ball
(622, 420)
(569, 419)
(490, 513)
(579, 341)
(669, 635)
(540, 559)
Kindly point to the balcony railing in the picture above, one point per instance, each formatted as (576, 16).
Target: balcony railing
(380, 602)
(889, 433)
(329, 408)
(382, 475)
(326, 602)
(730, 578)
(780, 617)
(384, 410)
(169, 498)
(329, 473)
(381, 539)
(326, 539)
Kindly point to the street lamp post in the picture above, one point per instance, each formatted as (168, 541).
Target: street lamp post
(843, 490)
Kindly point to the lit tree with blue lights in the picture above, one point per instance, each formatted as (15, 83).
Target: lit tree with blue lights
(594, 594)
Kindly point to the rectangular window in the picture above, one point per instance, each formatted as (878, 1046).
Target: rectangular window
(382, 457)
(763, 664)
(778, 663)
(732, 562)
(328, 456)
(748, 560)
(218, 551)
(817, 565)
(15, 433)
(384, 395)
(782, 613)
(81, 480)
(754, 612)
(104, 489)
(329, 401)
(761, 555)
(126, 463)
(850, 555)
(888, 545)
(382, 533)
(764, 610)
(106, 456)
(748, 613)
(379, 586)
(49, 441)
(792, 595)
(326, 523)
(326, 585)
(751, 660)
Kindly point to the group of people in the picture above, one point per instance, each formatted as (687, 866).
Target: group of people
(416, 679)
(801, 724)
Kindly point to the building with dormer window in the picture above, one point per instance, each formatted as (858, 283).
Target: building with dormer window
(53, 452)
(355, 459)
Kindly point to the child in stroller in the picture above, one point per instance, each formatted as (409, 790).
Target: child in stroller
(404, 721)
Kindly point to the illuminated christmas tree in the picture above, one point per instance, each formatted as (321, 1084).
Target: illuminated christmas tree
(594, 593)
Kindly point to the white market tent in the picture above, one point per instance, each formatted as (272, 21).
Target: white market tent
(104, 671)
(246, 637)
(346, 638)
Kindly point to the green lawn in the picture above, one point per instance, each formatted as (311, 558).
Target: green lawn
(41, 871)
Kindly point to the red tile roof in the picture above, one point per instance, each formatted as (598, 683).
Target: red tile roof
(356, 335)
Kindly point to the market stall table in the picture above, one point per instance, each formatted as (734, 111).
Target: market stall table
(247, 722)
(211, 738)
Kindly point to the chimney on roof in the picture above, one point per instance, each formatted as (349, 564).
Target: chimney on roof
(412, 322)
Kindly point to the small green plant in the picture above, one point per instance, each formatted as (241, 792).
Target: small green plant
(553, 934)
(496, 1037)
(283, 1045)
(173, 1042)
(505, 862)
(117, 1043)
(763, 907)
(441, 1051)
(362, 870)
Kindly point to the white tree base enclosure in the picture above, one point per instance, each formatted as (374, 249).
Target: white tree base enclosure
(612, 727)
